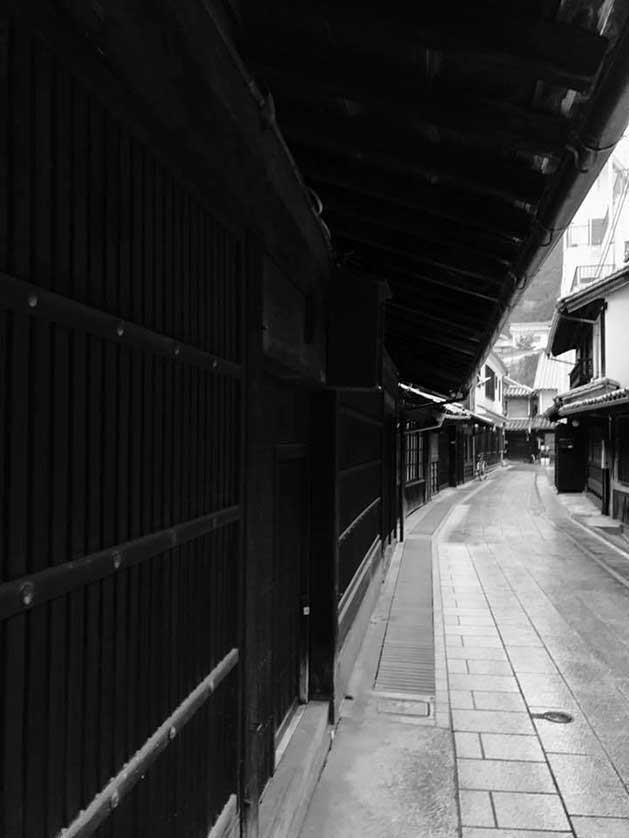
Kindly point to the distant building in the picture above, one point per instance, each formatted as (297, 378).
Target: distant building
(597, 241)
(593, 439)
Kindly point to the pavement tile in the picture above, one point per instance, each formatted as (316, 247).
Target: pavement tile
(478, 653)
(461, 699)
(521, 810)
(486, 683)
(489, 667)
(505, 775)
(471, 631)
(474, 832)
(458, 665)
(511, 746)
(546, 689)
(531, 659)
(599, 827)
(482, 642)
(589, 785)
(476, 808)
(574, 738)
(499, 701)
(491, 721)
(467, 745)
(520, 640)
(476, 620)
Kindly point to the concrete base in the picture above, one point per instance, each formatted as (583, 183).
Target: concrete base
(351, 647)
(228, 824)
(285, 800)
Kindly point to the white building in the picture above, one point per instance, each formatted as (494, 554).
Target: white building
(487, 398)
(597, 241)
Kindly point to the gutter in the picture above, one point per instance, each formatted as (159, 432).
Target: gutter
(603, 125)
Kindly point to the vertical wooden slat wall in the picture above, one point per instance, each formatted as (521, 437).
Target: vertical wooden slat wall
(107, 437)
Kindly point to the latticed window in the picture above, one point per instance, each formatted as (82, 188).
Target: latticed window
(414, 456)
(622, 435)
(490, 383)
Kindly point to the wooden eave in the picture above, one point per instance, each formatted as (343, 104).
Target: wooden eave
(448, 144)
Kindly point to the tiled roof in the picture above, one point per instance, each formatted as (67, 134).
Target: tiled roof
(537, 423)
(620, 396)
(517, 391)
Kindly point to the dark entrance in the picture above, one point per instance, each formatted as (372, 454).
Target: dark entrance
(569, 461)
(290, 586)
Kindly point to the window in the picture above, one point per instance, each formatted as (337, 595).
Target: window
(598, 228)
(622, 437)
(577, 234)
(490, 383)
(591, 233)
(414, 456)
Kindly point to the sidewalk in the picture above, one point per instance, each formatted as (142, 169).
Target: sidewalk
(391, 770)
(526, 622)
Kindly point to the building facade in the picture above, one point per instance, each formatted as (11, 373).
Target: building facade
(593, 446)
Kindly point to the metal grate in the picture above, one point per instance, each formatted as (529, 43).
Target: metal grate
(407, 661)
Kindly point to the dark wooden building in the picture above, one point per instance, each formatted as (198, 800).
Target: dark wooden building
(226, 230)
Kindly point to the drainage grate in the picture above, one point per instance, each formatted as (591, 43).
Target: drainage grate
(407, 660)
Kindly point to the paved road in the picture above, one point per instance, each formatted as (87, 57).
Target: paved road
(533, 623)
(527, 621)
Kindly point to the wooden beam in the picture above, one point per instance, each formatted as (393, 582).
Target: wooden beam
(450, 235)
(418, 252)
(373, 261)
(488, 122)
(552, 51)
(379, 147)
(494, 217)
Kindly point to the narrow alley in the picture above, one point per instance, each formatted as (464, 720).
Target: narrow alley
(527, 620)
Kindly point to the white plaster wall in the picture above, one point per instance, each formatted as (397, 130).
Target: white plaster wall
(617, 337)
(546, 398)
(517, 408)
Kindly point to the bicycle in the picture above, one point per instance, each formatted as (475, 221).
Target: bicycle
(481, 468)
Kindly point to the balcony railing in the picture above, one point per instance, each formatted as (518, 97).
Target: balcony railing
(581, 373)
(586, 274)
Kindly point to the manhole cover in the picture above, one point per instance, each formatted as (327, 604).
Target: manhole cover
(405, 708)
(558, 717)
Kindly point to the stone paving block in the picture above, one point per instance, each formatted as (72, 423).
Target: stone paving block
(505, 775)
(499, 701)
(574, 738)
(468, 745)
(476, 808)
(481, 642)
(492, 721)
(589, 785)
(599, 827)
(472, 631)
(512, 747)
(480, 653)
(486, 683)
(458, 665)
(546, 689)
(531, 659)
(483, 667)
(461, 699)
(516, 640)
(480, 832)
(482, 619)
(519, 810)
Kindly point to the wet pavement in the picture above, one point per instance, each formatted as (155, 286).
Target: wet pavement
(529, 618)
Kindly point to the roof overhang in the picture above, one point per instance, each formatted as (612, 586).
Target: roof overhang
(449, 148)
(574, 311)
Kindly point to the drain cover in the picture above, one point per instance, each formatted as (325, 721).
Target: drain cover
(558, 717)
